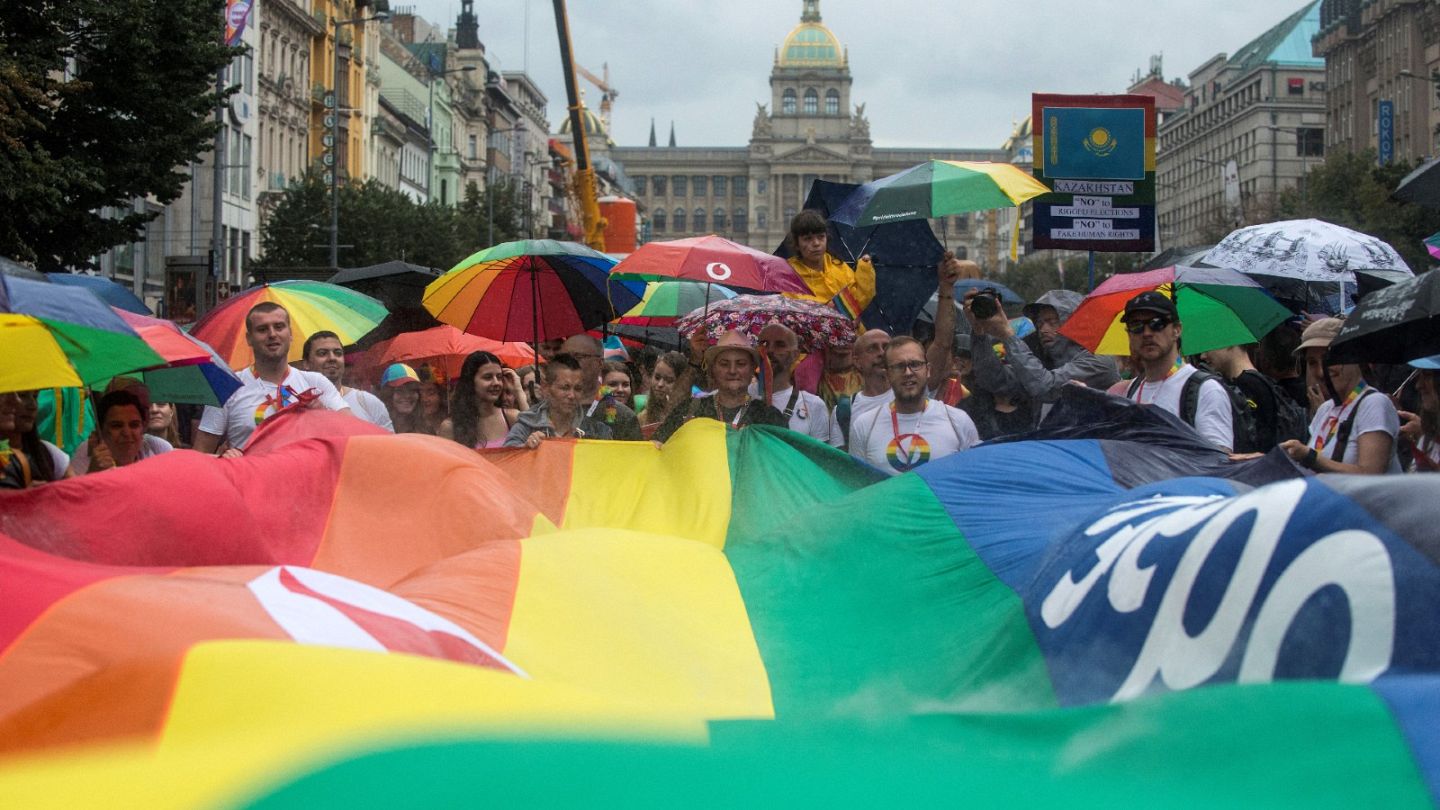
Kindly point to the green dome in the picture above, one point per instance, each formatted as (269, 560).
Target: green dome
(811, 44)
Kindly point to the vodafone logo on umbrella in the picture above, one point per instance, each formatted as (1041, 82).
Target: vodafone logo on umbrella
(314, 607)
(719, 271)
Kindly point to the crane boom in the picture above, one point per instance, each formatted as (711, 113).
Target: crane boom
(592, 222)
(608, 93)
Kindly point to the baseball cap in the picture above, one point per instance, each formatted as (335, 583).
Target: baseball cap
(398, 374)
(1151, 301)
(1319, 335)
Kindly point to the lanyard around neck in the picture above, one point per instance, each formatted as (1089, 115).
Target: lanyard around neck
(1140, 393)
(895, 419)
(1332, 422)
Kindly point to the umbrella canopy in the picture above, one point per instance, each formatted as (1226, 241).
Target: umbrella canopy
(1394, 325)
(446, 347)
(1421, 186)
(529, 290)
(1008, 298)
(938, 188)
(1308, 250)
(194, 373)
(115, 295)
(1218, 308)
(904, 255)
(817, 325)
(60, 337)
(395, 284)
(10, 267)
(314, 306)
(665, 301)
(711, 259)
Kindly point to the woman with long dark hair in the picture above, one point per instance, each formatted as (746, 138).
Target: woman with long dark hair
(478, 418)
(44, 461)
(669, 385)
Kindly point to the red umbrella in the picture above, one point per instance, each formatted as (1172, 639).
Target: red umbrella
(711, 259)
(446, 347)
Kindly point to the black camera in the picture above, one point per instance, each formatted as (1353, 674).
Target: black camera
(986, 303)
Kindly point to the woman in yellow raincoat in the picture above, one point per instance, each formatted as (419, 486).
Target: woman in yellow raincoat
(830, 279)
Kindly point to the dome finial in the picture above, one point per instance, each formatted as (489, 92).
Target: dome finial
(811, 12)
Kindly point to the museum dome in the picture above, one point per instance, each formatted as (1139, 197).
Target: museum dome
(811, 44)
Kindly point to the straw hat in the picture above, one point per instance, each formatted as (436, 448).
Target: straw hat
(1319, 335)
(733, 341)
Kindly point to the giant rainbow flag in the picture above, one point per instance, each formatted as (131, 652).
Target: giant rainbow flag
(349, 619)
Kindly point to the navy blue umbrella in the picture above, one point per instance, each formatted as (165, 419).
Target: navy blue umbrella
(904, 253)
(109, 292)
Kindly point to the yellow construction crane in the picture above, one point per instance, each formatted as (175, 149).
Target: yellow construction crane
(591, 220)
(608, 93)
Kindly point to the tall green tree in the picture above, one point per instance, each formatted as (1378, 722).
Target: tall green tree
(101, 101)
(1352, 190)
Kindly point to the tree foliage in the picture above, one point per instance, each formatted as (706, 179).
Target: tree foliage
(1352, 190)
(378, 224)
(101, 102)
(1034, 276)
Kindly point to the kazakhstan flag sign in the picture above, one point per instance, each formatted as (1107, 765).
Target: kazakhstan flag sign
(1095, 143)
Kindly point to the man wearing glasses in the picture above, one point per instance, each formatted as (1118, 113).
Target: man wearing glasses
(1167, 381)
(912, 429)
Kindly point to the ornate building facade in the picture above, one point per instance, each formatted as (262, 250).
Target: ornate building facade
(809, 130)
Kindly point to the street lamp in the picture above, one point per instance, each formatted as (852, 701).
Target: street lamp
(332, 126)
(430, 124)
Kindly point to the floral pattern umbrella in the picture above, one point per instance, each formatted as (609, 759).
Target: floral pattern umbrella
(818, 326)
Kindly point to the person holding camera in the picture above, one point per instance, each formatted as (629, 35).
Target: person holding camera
(1036, 367)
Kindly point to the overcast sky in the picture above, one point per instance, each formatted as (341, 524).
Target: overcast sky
(931, 73)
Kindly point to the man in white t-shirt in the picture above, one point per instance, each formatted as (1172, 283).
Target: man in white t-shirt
(805, 412)
(912, 429)
(324, 353)
(268, 386)
(1154, 327)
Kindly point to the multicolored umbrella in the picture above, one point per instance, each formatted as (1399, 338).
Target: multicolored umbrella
(195, 374)
(444, 347)
(665, 301)
(1304, 249)
(60, 337)
(529, 290)
(1218, 308)
(938, 188)
(314, 306)
(817, 325)
(712, 260)
(111, 293)
(1432, 245)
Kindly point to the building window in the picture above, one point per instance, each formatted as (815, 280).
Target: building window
(787, 102)
(680, 220)
(697, 185)
(677, 189)
(639, 185)
(473, 147)
(790, 213)
(1296, 87)
(812, 102)
(832, 102)
(760, 218)
(1310, 142)
(699, 222)
(717, 185)
(657, 222)
(719, 223)
(657, 185)
(740, 186)
(762, 185)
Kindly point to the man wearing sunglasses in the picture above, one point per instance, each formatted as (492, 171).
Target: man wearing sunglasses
(1167, 381)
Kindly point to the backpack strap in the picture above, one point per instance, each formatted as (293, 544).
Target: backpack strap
(1342, 437)
(1134, 386)
(1190, 395)
(790, 406)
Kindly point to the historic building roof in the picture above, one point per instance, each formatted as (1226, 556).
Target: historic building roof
(811, 44)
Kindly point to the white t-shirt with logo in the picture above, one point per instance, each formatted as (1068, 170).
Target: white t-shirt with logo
(258, 400)
(1214, 420)
(935, 432)
(811, 416)
(367, 406)
(1373, 413)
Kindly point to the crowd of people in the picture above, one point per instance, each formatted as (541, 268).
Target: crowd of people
(892, 402)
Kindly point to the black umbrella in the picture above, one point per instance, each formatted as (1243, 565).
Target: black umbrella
(397, 284)
(1421, 186)
(904, 254)
(1396, 324)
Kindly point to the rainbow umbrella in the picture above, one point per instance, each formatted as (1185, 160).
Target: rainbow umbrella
(665, 301)
(528, 290)
(937, 188)
(194, 373)
(62, 337)
(314, 306)
(711, 260)
(1218, 308)
(1432, 245)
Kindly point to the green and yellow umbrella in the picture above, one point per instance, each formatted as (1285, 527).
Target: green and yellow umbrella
(63, 337)
(938, 188)
(314, 306)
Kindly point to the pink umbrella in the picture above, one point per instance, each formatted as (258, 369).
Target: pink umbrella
(713, 260)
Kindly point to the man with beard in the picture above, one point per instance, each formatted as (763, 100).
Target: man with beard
(324, 353)
(805, 412)
(1165, 380)
(912, 429)
(624, 426)
(268, 386)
